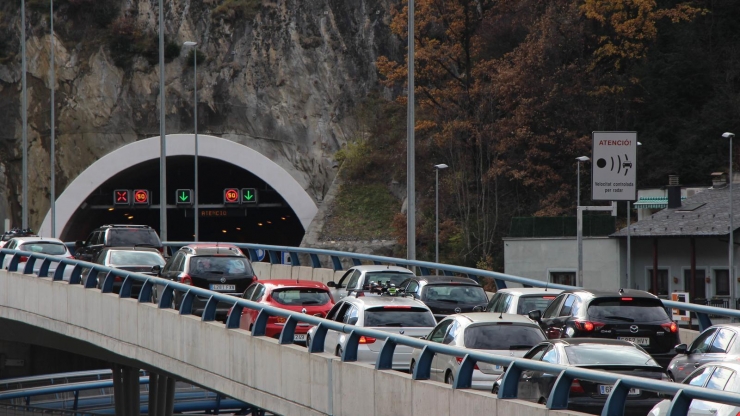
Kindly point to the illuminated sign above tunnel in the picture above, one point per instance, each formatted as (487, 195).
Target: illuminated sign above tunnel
(121, 197)
(231, 196)
(141, 197)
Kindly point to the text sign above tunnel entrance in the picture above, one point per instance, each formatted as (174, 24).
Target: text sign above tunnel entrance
(614, 166)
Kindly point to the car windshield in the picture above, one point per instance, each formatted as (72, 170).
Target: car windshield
(529, 303)
(301, 296)
(233, 265)
(135, 258)
(392, 316)
(454, 293)
(593, 354)
(627, 309)
(132, 236)
(492, 336)
(385, 278)
(45, 247)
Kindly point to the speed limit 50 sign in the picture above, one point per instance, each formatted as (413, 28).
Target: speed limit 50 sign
(614, 166)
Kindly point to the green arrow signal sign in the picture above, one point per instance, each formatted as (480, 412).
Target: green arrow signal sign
(184, 197)
(249, 196)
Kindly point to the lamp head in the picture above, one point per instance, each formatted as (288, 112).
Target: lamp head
(728, 135)
(189, 43)
(583, 158)
(441, 166)
(639, 144)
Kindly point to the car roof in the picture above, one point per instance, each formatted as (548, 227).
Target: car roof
(137, 248)
(448, 279)
(37, 238)
(530, 291)
(281, 283)
(381, 268)
(375, 300)
(213, 249)
(633, 293)
(483, 317)
(587, 341)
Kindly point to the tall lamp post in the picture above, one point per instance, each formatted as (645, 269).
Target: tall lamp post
(410, 148)
(629, 241)
(731, 271)
(52, 84)
(24, 116)
(162, 134)
(579, 236)
(437, 168)
(195, 130)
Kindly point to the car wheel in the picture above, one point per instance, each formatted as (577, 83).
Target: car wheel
(412, 367)
(542, 400)
(449, 378)
(339, 351)
(494, 390)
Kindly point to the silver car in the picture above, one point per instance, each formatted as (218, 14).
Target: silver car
(504, 334)
(716, 343)
(522, 300)
(400, 315)
(723, 376)
(362, 277)
(42, 245)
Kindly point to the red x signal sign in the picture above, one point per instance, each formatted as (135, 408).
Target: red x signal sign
(121, 197)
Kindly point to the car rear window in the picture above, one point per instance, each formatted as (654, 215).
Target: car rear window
(502, 337)
(227, 265)
(131, 237)
(627, 309)
(301, 297)
(454, 293)
(52, 249)
(533, 302)
(607, 355)
(385, 278)
(135, 258)
(393, 316)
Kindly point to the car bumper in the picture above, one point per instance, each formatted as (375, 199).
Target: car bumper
(483, 381)
(595, 405)
(401, 361)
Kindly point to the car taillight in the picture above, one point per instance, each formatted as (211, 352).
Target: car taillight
(575, 387)
(118, 279)
(670, 327)
(366, 340)
(161, 249)
(186, 279)
(23, 259)
(459, 361)
(588, 326)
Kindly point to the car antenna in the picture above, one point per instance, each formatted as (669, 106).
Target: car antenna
(501, 315)
(546, 284)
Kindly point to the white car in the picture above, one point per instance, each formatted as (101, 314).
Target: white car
(504, 334)
(41, 245)
(723, 376)
(361, 277)
(522, 300)
(394, 314)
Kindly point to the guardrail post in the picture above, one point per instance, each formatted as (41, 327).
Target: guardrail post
(424, 271)
(315, 262)
(59, 272)
(422, 369)
(704, 321)
(259, 327)
(44, 269)
(679, 405)
(336, 263)
(614, 405)
(560, 392)
(464, 376)
(92, 279)
(350, 347)
(209, 312)
(145, 295)
(475, 277)
(186, 307)
(448, 273)
(274, 258)
(125, 291)
(287, 335)
(28, 268)
(234, 317)
(385, 358)
(317, 343)
(356, 261)
(509, 388)
(13, 265)
(377, 263)
(252, 253)
(165, 299)
(107, 286)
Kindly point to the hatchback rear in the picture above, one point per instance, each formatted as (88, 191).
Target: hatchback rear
(226, 274)
(451, 298)
(405, 320)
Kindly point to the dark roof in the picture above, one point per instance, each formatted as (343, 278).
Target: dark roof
(632, 293)
(711, 218)
(448, 279)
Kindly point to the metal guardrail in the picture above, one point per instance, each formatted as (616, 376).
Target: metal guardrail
(682, 394)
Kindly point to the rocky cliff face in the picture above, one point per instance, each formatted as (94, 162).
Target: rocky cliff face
(282, 77)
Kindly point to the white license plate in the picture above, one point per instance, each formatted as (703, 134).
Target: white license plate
(637, 340)
(223, 287)
(605, 389)
(299, 337)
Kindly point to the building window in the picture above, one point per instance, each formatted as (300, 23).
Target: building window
(721, 282)
(563, 278)
(662, 281)
(700, 286)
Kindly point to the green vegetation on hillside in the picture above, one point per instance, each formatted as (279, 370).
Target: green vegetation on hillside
(361, 212)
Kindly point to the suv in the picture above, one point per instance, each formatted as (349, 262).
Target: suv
(626, 314)
(112, 235)
(213, 266)
(446, 295)
(364, 276)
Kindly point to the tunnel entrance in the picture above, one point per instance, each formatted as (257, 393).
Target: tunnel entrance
(269, 221)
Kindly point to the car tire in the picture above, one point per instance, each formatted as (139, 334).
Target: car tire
(449, 378)
(542, 400)
(339, 351)
(494, 390)
(412, 366)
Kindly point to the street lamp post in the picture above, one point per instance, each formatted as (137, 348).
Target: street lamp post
(629, 241)
(162, 134)
(52, 151)
(579, 233)
(195, 130)
(437, 168)
(410, 148)
(24, 116)
(731, 271)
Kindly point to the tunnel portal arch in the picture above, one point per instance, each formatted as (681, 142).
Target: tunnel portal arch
(180, 145)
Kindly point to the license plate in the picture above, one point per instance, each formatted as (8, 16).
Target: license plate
(299, 337)
(606, 389)
(637, 340)
(223, 287)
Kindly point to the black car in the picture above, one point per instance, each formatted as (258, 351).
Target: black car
(446, 295)
(614, 356)
(218, 267)
(626, 314)
(144, 260)
(113, 235)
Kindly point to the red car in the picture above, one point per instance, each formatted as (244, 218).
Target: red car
(309, 297)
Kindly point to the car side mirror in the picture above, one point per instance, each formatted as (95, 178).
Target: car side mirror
(331, 284)
(423, 337)
(79, 243)
(681, 349)
(156, 270)
(479, 308)
(535, 315)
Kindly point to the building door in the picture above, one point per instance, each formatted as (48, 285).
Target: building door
(700, 287)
